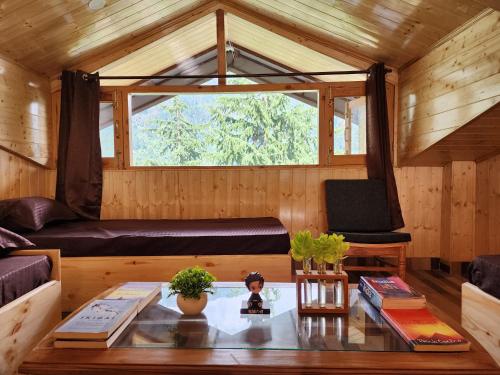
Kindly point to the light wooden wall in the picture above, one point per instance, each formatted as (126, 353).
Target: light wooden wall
(488, 207)
(20, 178)
(458, 211)
(457, 81)
(294, 195)
(25, 125)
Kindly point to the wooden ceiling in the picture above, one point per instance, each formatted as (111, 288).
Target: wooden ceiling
(48, 36)
(478, 140)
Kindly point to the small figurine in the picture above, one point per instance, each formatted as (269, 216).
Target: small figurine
(255, 305)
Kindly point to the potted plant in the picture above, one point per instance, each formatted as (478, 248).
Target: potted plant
(302, 249)
(191, 286)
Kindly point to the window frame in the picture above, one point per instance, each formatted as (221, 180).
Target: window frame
(327, 91)
(113, 97)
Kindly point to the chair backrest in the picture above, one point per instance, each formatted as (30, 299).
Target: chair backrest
(357, 206)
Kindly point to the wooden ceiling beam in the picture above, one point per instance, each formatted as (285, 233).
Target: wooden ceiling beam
(221, 45)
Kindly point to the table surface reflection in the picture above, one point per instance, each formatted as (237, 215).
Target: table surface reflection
(221, 326)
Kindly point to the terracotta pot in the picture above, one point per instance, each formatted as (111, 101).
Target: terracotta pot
(192, 306)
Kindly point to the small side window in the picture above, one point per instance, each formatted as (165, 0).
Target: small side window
(349, 126)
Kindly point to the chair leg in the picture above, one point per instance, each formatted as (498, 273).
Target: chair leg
(402, 262)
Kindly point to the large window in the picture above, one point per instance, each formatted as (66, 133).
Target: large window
(224, 129)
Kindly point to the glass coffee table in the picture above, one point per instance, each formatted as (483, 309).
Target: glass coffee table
(221, 326)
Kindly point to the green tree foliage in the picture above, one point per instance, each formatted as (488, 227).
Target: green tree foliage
(227, 129)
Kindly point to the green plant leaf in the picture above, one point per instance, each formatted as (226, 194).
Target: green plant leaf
(302, 246)
(192, 282)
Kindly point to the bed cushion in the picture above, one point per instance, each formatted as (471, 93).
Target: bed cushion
(484, 272)
(10, 241)
(21, 274)
(32, 213)
(165, 237)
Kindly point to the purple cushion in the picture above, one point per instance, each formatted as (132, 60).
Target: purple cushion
(32, 213)
(10, 241)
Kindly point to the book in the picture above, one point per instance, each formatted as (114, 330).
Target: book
(143, 292)
(424, 332)
(98, 320)
(95, 344)
(390, 293)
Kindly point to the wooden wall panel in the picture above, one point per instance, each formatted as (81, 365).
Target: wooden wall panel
(488, 207)
(450, 86)
(21, 178)
(458, 211)
(294, 195)
(25, 126)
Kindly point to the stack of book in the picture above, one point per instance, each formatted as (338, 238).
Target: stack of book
(405, 310)
(100, 323)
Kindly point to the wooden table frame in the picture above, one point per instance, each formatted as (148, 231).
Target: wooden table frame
(45, 360)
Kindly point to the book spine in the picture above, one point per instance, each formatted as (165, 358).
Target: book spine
(369, 293)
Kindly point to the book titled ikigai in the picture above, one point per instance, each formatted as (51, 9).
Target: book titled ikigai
(390, 293)
(424, 332)
(98, 320)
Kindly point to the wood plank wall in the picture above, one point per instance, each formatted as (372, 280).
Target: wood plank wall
(25, 125)
(458, 211)
(451, 85)
(488, 207)
(21, 178)
(294, 195)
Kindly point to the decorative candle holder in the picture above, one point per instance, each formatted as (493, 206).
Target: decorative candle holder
(340, 304)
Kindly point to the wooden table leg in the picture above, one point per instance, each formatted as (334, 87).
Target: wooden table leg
(402, 262)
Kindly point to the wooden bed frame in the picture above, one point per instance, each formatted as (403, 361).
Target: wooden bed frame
(480, 317)
(25, 321)
(86, 277)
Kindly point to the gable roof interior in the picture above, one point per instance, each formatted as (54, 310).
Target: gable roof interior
(58, 35)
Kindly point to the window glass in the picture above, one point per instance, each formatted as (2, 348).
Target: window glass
(349, 126)
(106, 130)
(234, 129)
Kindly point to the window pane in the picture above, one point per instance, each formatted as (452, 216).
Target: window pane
(225, 129)
(106, 130)
(349, 126)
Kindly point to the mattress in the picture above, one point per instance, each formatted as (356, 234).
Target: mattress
(21, 274)
(484, 272)
(264, 235)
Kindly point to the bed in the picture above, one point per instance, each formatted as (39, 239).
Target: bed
(31, 296)
(97, 255)
(243, 236)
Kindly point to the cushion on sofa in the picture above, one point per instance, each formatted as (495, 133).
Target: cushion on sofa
(357, 206)
(32, 213)
(11, 241)
(484, 272)
(375, 237)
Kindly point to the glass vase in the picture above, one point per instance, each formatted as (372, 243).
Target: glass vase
(338, 266)
(306, 267)
(339, 294)
(322, 285)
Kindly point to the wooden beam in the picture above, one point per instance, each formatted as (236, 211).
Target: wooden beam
(221, 45)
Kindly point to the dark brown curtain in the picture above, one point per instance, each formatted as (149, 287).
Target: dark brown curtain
(79, 163)
(378, 149)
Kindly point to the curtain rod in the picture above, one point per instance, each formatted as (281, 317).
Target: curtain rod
(252, 75)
